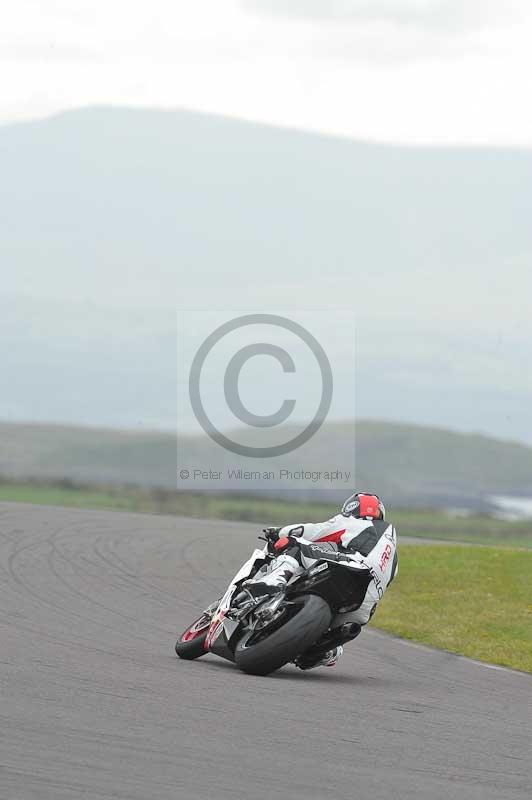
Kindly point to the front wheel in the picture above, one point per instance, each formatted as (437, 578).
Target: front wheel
(260, 651)
(191, 643)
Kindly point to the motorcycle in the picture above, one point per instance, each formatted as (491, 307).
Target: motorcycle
(262, 634)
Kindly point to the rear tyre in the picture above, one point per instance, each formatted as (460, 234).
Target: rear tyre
(191, 643)
(262, 655)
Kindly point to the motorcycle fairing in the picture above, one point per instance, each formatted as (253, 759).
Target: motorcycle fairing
(222, 628)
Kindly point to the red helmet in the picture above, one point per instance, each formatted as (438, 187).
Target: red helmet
(364, 506)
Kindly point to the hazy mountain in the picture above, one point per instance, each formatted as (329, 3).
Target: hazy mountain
(409, 465)
(110, 218)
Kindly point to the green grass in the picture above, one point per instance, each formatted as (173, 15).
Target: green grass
(262, 511)
(474, 602)
(63, 496)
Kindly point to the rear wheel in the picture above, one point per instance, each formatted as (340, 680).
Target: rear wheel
(191, 643)
(263, 650)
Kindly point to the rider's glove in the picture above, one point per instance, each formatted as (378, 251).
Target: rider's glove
(272, 534)
(276, 544)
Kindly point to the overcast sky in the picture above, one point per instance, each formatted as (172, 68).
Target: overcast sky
(395, 70)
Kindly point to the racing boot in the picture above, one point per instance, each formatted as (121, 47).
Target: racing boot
(275, 580)
(328, 659)
(327, 651)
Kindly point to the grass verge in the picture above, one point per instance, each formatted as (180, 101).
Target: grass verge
(474, 602)
(262, 511)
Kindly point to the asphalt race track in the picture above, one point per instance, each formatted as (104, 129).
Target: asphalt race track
(94, 703)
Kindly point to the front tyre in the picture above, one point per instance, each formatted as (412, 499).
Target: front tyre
(260, 653)
(191, 643)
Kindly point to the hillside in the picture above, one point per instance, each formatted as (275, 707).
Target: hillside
(111, 218)
(409, 465)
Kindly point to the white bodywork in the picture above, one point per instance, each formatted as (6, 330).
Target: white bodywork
(379, 561)
(342, 530)
(243, 572)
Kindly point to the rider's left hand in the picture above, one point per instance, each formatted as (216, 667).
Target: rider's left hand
(272, 534)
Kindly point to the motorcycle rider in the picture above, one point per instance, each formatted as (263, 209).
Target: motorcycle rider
(359, 530)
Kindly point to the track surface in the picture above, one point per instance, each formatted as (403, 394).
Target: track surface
(95, 705)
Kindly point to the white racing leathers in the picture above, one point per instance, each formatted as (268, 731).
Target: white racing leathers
(372, 543)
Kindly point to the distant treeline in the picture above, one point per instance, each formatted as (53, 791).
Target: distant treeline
(410, 466)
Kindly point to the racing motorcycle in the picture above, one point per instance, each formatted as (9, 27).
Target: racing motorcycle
(262, 634)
